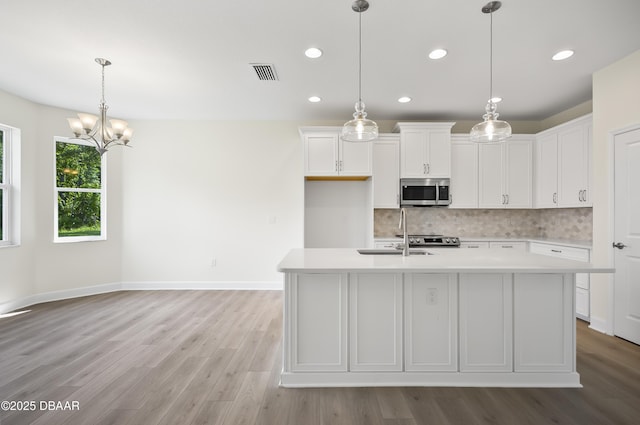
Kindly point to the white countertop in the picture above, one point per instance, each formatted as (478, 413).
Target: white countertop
(443, 260)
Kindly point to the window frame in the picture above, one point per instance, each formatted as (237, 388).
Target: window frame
(5, 186)
(10, 186)
(102, 191)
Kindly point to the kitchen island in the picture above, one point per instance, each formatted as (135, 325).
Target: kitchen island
(448, 318)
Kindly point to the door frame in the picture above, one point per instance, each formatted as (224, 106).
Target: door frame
(610, 325)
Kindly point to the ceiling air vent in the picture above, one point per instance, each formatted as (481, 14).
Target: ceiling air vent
(265, 71)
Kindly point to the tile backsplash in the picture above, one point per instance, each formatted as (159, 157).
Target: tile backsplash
(560, 223)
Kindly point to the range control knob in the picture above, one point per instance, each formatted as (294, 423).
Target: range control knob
(447, 240)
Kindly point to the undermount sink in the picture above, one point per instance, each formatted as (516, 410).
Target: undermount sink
(383, 251)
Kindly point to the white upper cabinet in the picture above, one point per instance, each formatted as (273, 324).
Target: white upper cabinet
(386, 171)
(325, 154)
(464, 172)
(505, 174)
(425, 149)
(547, 171)
(563, 166)
(574, 170)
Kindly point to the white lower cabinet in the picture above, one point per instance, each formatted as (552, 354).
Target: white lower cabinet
(583, 298)
(516, 246)
(486, 309)
(544, 329)
(431, 322)
(375, 318)
(317, 313)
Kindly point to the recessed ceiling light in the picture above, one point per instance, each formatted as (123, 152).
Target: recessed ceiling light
(404, 99)
(496, 99)
(437, 54)
(313, 52)
(314, 99)
(562, 55)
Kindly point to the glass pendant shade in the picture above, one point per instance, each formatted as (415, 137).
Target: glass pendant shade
(360, 129)
(491, 130)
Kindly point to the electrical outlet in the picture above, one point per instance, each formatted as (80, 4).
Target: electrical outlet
(214, 262)
(432, 296)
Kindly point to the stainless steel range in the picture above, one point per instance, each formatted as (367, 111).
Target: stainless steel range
(433, 241)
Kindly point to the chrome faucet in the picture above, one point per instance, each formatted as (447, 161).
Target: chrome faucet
(405, 235)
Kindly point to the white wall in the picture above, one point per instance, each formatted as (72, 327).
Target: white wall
(38, 265)
(615, 105)
(198, 190)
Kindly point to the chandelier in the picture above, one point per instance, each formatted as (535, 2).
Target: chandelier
(95, 129)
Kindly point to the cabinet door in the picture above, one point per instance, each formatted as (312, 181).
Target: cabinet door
(518, 177)
(317, 334)
(464, 174)
(486, 322)
(573, 158)
(375, 317)
(438, 154)
(547, 172)
(321, 153)
(431, 322)
(412, 152)
(386, 173)
(355, 158)
(544, 327)
(490, 176)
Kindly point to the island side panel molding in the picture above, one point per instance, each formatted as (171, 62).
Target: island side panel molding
(375, 322)
(431, 322)
(486, 322)
(544, 323)
(317, 322)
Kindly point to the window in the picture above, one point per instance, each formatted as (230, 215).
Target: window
(80, 192)
(4, 188)
(9, 183)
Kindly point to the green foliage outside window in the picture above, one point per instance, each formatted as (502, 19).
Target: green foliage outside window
(79, 211)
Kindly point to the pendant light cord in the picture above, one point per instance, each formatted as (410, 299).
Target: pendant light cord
(360, 56)
(491, 57)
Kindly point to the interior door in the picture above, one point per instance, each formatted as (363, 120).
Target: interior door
(627, 235)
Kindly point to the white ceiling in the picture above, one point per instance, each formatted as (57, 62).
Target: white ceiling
(183, 59)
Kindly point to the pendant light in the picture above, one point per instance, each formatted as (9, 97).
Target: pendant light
(96, 130)
(491, 130)
(360, 129)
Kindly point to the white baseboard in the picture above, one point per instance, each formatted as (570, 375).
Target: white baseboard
(601, 325)
(136, 286)
(198, 285)
(58, 295)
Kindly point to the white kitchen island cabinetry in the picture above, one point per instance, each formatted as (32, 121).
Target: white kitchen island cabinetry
(583, 298)
(375, 319)
(326, 155)
(505, 176)
(425, 149)
(454, 318)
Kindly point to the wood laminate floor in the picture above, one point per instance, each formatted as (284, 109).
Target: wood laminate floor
(214, 357)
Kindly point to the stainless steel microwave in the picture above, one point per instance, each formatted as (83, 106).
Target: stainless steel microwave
(424, 192)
